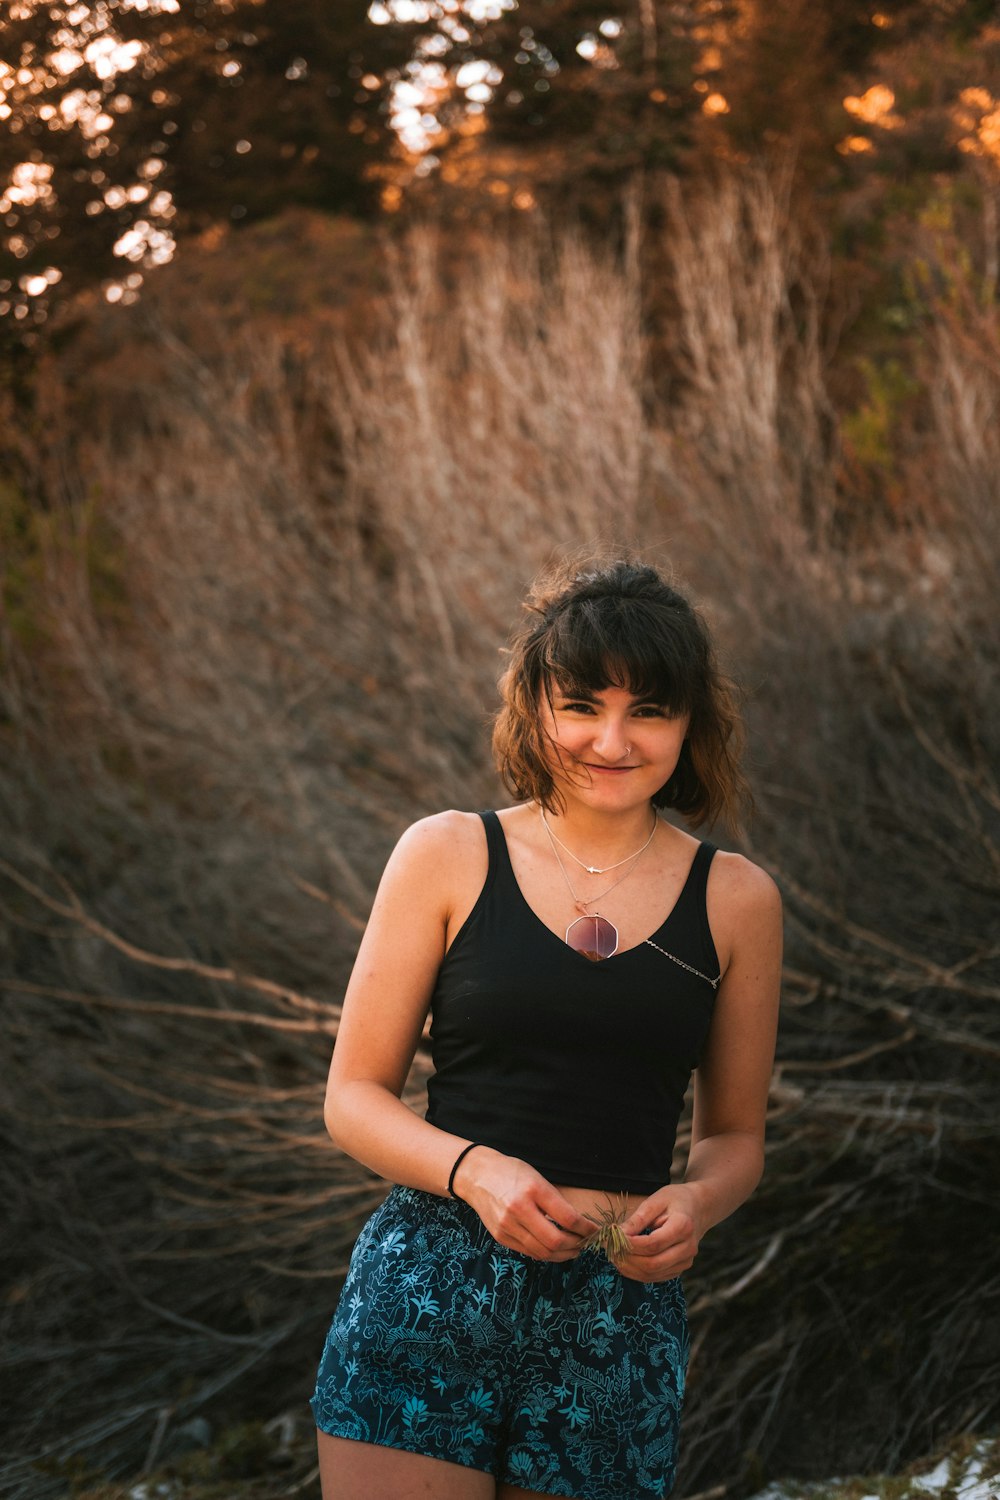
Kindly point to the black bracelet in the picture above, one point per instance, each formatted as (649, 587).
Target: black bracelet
(458, 1162)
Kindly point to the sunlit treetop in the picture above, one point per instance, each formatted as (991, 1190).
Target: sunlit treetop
(64, 90)
(127, 124)
(495, 87)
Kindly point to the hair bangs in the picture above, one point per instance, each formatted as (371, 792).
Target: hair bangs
(606, 643)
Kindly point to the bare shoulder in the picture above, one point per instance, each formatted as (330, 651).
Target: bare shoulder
(442, 854)
(744, 913)
(444, 840)
(739, 890)
(443, 833)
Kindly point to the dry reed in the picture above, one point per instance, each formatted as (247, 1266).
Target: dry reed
(268, 642)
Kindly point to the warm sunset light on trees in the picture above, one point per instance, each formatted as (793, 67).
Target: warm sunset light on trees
(130, 125)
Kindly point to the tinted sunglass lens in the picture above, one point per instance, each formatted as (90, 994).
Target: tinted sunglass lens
(592, 936)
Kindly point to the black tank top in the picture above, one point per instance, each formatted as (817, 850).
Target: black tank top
(579, 1068)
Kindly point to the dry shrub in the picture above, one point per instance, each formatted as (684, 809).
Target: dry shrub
(750, 426)
(307, 563)
(279, 650)
(849, 1317)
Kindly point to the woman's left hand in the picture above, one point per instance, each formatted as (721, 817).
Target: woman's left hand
(670, 1216)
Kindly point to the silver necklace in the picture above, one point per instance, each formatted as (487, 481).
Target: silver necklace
(580, 903)
(597, 869)
(590, 934)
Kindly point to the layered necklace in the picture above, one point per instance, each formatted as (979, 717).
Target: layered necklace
(590, 934)
(597, 869)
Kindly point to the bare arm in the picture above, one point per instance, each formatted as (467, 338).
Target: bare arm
(433, 868)
(726, 1158)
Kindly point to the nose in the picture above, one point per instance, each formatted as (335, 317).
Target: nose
(610, 742)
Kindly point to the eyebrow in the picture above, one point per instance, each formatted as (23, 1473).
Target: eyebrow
(588, 695)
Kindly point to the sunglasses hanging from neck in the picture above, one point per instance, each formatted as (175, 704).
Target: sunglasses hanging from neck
(590, 934)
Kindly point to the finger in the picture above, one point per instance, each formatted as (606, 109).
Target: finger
(530, 1232)
(639, 1229)
(552, 1236)
(569, 1218)
(649, 1211)
(639, 1249)
(663, 1242)
(557, 1208)
(670, 1236)
(666, 1269)
(530, 1245)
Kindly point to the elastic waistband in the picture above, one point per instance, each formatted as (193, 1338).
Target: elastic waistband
(429, 1208)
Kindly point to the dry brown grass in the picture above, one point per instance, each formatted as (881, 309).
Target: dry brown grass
(267, 640)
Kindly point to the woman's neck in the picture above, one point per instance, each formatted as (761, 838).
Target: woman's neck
(596, 836)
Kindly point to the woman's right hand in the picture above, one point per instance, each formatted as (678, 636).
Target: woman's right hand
(519, 1207)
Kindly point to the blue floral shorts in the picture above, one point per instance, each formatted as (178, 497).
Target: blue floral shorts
(564, 1378)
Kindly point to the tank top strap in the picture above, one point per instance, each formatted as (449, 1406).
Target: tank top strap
(494, 835)
(496, 846)
(692, 901)
(700, 866)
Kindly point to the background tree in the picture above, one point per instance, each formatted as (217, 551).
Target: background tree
(560, 100)
(126, 127)
(130, 128)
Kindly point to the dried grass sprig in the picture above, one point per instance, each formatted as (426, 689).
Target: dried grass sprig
(609, 1235)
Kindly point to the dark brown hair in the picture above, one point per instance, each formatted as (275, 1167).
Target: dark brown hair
(620, 624)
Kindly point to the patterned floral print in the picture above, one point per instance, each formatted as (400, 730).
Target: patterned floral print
(566, 1379)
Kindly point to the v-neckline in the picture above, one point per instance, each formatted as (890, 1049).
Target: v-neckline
(619, 952)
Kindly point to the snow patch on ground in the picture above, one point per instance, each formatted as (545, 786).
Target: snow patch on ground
(974, 1476)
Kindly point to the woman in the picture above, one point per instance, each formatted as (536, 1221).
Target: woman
(580, 956)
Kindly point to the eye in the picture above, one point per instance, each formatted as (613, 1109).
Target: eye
(576, 706)
(652, 711)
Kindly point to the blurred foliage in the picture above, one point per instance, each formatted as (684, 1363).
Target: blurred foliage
(35, 544)
(20, 565)
(150, 124)
(578, 94)
(131, 130)
(871, 430)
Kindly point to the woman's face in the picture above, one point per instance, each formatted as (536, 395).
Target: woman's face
(610, 749)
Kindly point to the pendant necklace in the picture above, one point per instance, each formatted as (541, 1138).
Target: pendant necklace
(590, 934)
